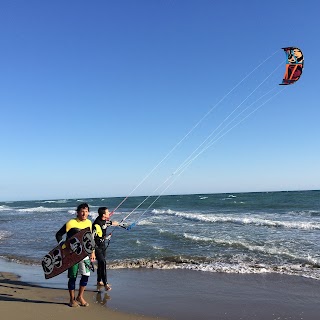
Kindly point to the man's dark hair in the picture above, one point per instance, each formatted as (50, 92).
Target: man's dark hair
(82, 206)
(101, 211)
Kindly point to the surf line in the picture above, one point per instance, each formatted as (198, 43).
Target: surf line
(186, 163)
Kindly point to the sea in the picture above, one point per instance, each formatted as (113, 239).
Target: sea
(246, 233)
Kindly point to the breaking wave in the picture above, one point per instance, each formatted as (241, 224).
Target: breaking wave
(305, 270)
(265, 249)
(5, 234)
(40, 209)
(5, 208)
(244, 220)
(54, 201)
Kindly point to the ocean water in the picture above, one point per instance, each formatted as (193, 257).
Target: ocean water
(266, 232)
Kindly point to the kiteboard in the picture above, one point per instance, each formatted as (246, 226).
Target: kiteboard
(68, 254)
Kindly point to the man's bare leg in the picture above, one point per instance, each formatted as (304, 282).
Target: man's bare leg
(73, 302)
(80, 297)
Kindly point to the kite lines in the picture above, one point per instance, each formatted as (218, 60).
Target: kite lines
(238, 115)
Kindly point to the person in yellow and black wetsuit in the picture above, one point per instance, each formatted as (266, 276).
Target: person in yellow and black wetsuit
(100, 226)
(83, 267)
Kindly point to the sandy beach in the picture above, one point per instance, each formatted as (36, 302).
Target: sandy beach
(20, 300)
(159, 294)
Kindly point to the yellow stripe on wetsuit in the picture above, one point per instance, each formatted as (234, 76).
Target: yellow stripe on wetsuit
(75, 225)
(98, 230)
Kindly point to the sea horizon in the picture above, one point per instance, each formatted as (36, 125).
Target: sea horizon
(80, 198)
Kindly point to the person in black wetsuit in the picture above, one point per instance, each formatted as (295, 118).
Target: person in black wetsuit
(100, 226)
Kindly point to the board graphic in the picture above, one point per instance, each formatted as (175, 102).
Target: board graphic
(71, 252)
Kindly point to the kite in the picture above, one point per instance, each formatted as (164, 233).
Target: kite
(294, 65)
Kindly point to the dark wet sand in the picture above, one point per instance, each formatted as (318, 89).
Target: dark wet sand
(189, 295)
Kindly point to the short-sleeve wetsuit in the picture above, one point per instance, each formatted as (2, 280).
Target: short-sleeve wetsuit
(70, 228)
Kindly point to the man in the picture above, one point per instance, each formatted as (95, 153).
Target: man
(100, 226)
(83, 267)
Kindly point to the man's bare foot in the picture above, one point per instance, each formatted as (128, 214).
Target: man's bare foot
(73, 303)
(107, 287)
(82, 302)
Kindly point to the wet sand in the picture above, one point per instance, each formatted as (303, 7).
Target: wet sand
(171, 294)
(189, 295)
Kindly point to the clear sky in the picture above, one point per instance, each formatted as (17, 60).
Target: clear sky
(94, 94)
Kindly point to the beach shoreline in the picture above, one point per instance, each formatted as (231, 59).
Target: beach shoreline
(171, 294)
(20, 300)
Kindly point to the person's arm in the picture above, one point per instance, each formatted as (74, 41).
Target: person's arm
(114, 223)
(61, 233)
(92, 255)
(94, 233)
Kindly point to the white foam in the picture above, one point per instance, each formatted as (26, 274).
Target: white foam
(40, 209)
(5, 234)
(157, 248)
(54, 201)
(239, 267)
(216, 218)
(168, 211)
(266, 249)
(145, 223)
(5, 208)
(230, 197)
(197, 238)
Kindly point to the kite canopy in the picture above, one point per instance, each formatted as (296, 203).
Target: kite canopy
(294, 65)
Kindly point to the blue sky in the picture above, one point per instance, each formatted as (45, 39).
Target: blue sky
(93, 94)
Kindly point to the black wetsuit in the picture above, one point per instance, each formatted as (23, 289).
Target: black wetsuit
(100, 232)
